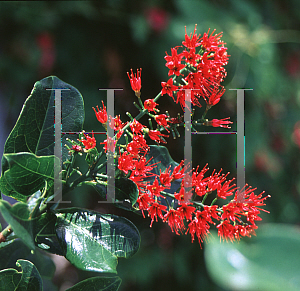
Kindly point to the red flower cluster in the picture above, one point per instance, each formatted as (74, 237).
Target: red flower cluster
(234, 219)
(205, 67)
(101, 115)
(150, 105)
(89, 142)
(202, 60)
(219, 123)
(136, 82)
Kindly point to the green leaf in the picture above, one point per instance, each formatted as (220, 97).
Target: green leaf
(25, 174)
(6, 188)
(45, 234)
(34, 130)
(268, 261)
(16, 249)
(160, 155)
(17, 217)
(93, 241)
(28, 279)
(98, 284)
(125, 189)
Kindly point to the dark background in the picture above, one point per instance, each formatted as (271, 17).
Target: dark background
(92, 45)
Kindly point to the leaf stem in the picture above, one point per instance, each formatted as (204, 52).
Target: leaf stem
(5, 233)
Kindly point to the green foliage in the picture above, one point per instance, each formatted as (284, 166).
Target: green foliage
(17, 216)
(89, 240)
(15, 249)
(26, 173)
(28, 279)
(269, 261)
(92, 241)
(34, 129)
(98, 284)
(125, 190)
(45, 235)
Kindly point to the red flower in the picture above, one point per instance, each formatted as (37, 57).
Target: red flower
(90, 142)
(136, 127)
(156, 135)
(139, 138)
(212, 42)
(226, 189)
(219, 123)
(165, 178)
(212, 211)
(162, 120)
(144, 200)
(186, 211)
(226, 230)
(116, 123)
(198, 226)
(109, 144)
(76, 148)
(174, 62)
(150, 105)
(135, 82)
(168, 88)
(176, 120)
(192, 229)
(137, 145)
(183, 195)
(191, 57)
(191, 41)
(155, 188)
(125, 162)
(177, 173)
(101, 114)
(180, 195)
(181, 98)
(142, 168)
(215, 96)
(231, 211)
(156, 209)
(174, 220)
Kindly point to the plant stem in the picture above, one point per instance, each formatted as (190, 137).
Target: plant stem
(213, 202)
(5, 233)
(206, 110)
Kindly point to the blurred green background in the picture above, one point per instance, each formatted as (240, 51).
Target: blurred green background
(92, 44)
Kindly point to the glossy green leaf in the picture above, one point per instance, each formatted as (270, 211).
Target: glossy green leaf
(7, 189)
(34, 130)
(16, 249)
(28, 279)
(17, 216)
(125, 190)
(98, 284)
(94, 241)
(45, 234)
(268, 261)
(5, 244)
(25, 174)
